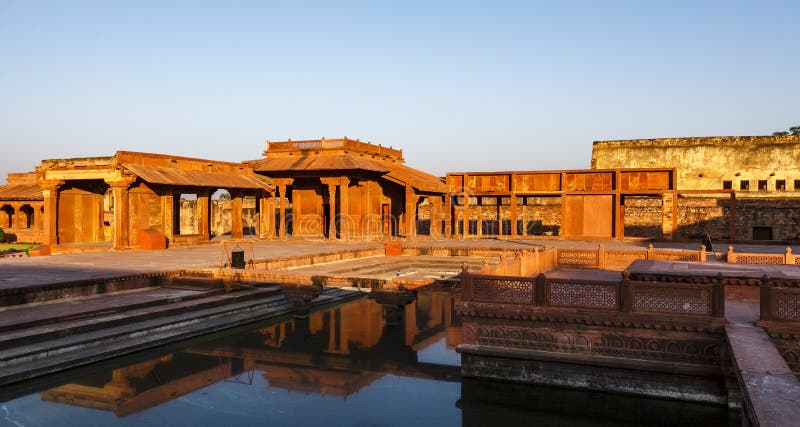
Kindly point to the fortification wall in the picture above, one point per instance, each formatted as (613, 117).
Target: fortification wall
(705, 163)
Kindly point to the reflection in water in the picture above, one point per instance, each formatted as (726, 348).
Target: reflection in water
(359, 363)
(335, 352)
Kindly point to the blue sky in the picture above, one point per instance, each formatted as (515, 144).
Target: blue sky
(457, 86)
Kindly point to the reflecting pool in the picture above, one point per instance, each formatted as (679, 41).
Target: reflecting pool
(361, 363)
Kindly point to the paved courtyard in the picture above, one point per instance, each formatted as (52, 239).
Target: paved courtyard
(15, 273)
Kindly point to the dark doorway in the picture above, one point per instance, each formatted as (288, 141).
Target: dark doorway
(762, 233)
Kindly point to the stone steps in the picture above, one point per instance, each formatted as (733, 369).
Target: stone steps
(17, 318)
(92, 340)
(53, 328)
(31, 360)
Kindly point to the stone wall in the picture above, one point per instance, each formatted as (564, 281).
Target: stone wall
(781, 214)
(704, 163)
(697, 215)
(643, 216)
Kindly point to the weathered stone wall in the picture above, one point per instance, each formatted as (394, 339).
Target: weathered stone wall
(781, 214)
(709, 214)
(541, 216)
(697, 215)
(704, 163)
(643, 216)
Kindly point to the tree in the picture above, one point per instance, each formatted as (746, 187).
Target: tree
(794, 130)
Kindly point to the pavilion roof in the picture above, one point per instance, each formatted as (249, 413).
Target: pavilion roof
(393, 170)
(196, 178)
(20, 192)
(343, 162)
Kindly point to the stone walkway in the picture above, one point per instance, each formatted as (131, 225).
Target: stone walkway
(95, 265)
(16, 273)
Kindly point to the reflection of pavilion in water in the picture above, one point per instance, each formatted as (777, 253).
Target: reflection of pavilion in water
(334, 352)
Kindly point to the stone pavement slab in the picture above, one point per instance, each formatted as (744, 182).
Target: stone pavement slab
(54, 269)
(30, 314)
(738, 271)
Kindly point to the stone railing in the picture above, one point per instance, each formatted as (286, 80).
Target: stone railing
(773, 259)
(523, 263)
(780, 304)
(603, 258)
(323, 144)
(624, 296)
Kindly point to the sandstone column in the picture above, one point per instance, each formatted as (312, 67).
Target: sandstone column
(204, 214)
(282, 216)
(236, 214)
(436, 222)
(513, 213)
(332, 209)
(411, 212)
(448, 215)
(119, 189)
(344, 208)
(267, 217)
(50, 195)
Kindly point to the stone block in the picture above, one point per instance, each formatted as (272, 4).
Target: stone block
(394, 249)
(41, 250)
(152, 240)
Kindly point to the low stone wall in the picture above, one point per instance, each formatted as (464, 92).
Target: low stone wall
(79, 288)
(655, 339)
(306, 260)
(24, 235)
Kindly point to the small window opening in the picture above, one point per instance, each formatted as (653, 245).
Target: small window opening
(727, 185)
(744, 185)
(762, 185)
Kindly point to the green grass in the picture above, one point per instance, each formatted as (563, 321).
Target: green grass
(16, 247)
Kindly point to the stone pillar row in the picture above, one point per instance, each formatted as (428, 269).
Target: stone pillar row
(119, 190)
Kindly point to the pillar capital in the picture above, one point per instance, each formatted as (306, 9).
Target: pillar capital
(121, 183)
(50, 184)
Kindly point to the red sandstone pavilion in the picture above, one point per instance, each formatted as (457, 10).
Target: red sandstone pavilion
(737, 188)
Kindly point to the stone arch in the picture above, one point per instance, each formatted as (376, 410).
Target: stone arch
(7, 217)
(28, 212)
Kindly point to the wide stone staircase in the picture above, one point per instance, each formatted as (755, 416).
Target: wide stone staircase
(43, 338)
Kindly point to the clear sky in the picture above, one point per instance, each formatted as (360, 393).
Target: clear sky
(485, 85)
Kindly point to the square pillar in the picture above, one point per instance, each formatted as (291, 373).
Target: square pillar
(168, 215)
(513, 212)
(465, 216)
(236, 214)
(121, 230)
(332, 205)
(267, 217)
(204, 214)
(448, 220)
(436, 220)
(411, 212)
(344, 208)
(282, 212)
(50, 195)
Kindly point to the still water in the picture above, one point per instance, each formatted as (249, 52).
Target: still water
(357, 364)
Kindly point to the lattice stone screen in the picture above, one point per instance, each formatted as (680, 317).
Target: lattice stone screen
(577, 257)
(504, 290)
(582, 294)
(659, 299)
(787, 305)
